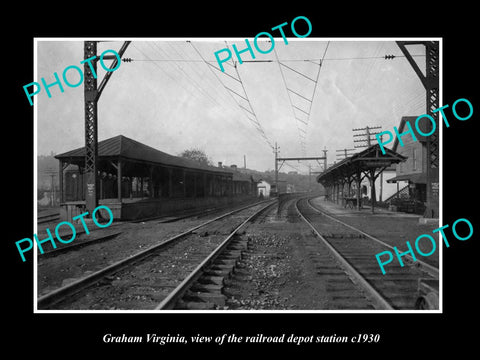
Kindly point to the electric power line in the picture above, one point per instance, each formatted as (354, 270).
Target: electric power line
(283, 60)
(195, 83)
(301, 132)
(256, 122)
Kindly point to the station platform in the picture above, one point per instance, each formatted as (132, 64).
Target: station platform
(394, 228)
(340, 210)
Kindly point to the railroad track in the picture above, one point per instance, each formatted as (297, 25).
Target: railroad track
(111, 233)
(354, 252)
(186, 215)
(94, 238)
(161, 274)
(46, 218)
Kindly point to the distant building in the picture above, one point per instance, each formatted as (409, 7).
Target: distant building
(263, 188)
(411, 176)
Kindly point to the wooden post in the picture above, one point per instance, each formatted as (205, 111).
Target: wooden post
(358, 181)
(339, 190)
(381, 187)
(102, 187)
(130, 187)
(119, 180)
(170, 183)
(341, 193)
(373, 195)
(194, 185)
(184, 183)
(60, 180)
(205, 190)
(150, 183)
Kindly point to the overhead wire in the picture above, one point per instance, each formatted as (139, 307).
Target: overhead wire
(196, 70)
(301, 123)
(367, 69)
(176, 80)
(289, 97)
(233, 107)
(302, 132)
(196, 85)
(282, 60)
(166, 73)
(257, 124)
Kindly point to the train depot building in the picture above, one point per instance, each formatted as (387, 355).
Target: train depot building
(411, 175)
(137, 181)
(342, 181)
(402, 171)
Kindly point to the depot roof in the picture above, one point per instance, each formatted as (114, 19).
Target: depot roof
(122, 147)
(370, 158)
(418, 178)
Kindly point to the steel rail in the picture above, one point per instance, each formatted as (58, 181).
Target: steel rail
(59, 294)
(170, 301)
(43, 219)
(79, 245)
(380, 302)
(429, 269)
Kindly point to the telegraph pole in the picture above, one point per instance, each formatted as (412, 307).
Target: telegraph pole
(324, 159)
(371, 173)
(309, 177)
(367, 134)
(345, 153)
(276, 168)
(91, 95)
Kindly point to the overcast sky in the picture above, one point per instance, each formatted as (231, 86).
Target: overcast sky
(181, 103)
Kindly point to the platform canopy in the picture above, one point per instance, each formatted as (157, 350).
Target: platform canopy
(124, 148)
(418, 178)
(128, 162)
(367, 163)
(366, 160)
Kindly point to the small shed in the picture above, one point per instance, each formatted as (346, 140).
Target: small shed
(263, 188)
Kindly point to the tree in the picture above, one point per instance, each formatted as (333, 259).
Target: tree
(196, 155)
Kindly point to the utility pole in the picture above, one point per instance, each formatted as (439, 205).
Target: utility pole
(325, 158)
(367, 134)
(345, 153)
(91, 95)
(368, 139)
(309, 177)
(276, 168)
